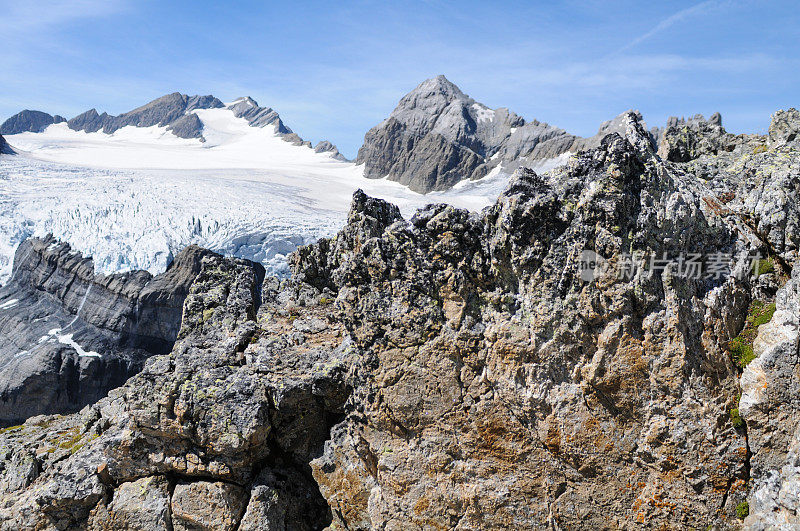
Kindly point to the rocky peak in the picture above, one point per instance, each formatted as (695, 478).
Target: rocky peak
(421, 108)
(88, 121)
(684, 139)
(29, 122)
(715, 119)
(258, 116)
(324, 146)
(438, 136)
(784, 127)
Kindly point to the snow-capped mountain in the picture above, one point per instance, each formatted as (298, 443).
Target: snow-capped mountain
(438, 136)
(133, 190)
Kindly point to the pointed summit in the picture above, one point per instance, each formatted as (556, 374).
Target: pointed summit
(428, 99)
(436, 86)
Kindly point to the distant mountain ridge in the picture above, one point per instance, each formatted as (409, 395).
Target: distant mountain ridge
(174, 111)
(29, 121)
(436, 137)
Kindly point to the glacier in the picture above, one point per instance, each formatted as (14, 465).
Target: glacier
(133, 199)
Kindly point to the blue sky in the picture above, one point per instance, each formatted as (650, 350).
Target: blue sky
(335, 69)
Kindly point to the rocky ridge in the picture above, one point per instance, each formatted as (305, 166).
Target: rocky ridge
(169, 111)
(173, 111)
(29, 121)
(457, 370)
(68, 336)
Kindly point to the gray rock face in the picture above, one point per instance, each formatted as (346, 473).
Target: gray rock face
(459, 370)
(685, 140)
(229, 420)
(323, 146)
(770, 404)
(187, 126)
(170, 110)
(89, 121)
(68, 336)
(500, 376)
(785, 127)
(438, 136)
(5, 149)
(29, 122)
(257, 116)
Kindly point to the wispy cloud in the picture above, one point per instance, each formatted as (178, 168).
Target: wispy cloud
(670, 21)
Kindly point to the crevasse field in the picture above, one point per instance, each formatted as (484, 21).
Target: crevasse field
(135, 198)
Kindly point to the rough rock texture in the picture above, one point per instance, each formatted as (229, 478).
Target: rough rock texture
(164, 111)
(323, 146)
(29, 122)
(685, 140)
(506, 392)
(68, 336)
(438, 136)
(187, 126)
(458, 370)
(5, 149)
(785, 127)
(141, 505)
(229, 419)
(207, 505)
(258, 116)
(770, 404)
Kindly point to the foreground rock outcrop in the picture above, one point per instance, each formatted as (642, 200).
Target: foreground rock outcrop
(68, 336)
(215, 435)
(553, 362)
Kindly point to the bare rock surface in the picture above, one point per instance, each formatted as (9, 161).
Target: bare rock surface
(460, 370)
(164, 111)
(770, 404)
(438, 136)
(68, 336)
(29, 122)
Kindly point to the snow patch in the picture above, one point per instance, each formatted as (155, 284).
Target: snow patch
(484, 114)
(9, 304)
(67, 340)
(134, 199)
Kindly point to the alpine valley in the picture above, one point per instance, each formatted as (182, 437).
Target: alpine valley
(208, 323)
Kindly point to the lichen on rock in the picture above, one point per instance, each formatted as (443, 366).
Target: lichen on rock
(456, 370)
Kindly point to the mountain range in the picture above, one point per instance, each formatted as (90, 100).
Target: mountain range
(436, 137)
(612, 344)
(175, 112)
